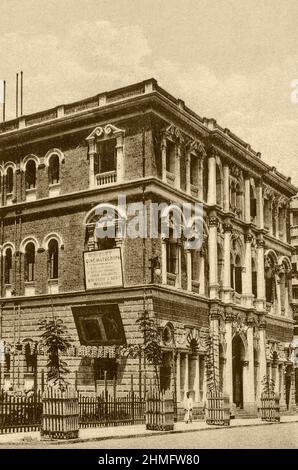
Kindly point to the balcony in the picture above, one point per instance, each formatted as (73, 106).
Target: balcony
(107, 178)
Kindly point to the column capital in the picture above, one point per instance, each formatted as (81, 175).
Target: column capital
(260, 243)
(213, 221)
(250, 320)
(262, 323)
(248, 237)
(227, 227)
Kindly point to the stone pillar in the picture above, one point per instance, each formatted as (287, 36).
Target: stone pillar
(164, 160)
(178, 266)
(229, 356)
(120, 158)
(212, 252)
(197, 379)
(276, 377)
(261, 298)
(247, 200)
(227, 262)
(262, 357)
(292, 400)
(189, 270)
(187, 163)
(250, 391)
(226, 188)
(178, 375)
(211, 180)
(186, 376)
(282, 401)
(177, 167)
(200, 179)
(163, 262)
(247, 285)
(260, 205)
(91, 154)
(202, 272)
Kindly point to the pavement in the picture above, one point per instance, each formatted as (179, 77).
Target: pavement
(124, 432)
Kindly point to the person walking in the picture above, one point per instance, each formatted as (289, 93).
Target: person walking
(188, 405)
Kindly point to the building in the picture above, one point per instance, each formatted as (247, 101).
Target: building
(294, 240)
(59, 165)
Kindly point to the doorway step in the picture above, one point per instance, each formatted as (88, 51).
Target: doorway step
(239, 413)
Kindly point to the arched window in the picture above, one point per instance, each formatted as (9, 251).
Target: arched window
(30, 175)
(8, 266)
(270, 284)
(53, 259)
(238, 275)
(54, 169)
(238, 200)
(171, 247)
(30, 262)
(9, 180)
(232, 271)
(220, 263)
(267, 213)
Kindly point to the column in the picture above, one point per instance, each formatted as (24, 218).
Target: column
(177, 167)
(197, 379)
(211, 180)
(186, 379)
(227, 262)
(200, 179)
(202, 272)
(261, 299)
(276, 375)
(212, 253)
(164, 160)
(187, 163)
(247, 200)
(250, 391)
(247, 287)
(120, 158)
(229, 356)
(163, 262)
(260, 205)
(189, 270)
(262, 357)
(91, 154)
(178, 266)
(226, 188)
(282, 401)
(178, 375)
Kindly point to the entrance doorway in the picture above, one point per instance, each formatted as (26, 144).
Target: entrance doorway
(237, 353)
(166, 372)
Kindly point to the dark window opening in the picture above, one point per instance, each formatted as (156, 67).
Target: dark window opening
(30, 262)
(30, 175)
(254, 283)
(8, 266)
(9, 181)
(170, 156)
(53, 259)
(54, 169)
(171, 257)
(193, 170)
(105, 159)
(105, 368)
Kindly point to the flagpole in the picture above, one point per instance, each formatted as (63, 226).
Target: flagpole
(4, 99)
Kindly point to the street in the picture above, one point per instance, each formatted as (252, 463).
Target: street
(275, 436)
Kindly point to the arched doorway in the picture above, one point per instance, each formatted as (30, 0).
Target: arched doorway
(237, 354)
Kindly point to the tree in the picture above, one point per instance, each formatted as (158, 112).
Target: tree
(268, 384)
(150, 349)
(211, 363)
(56, 341)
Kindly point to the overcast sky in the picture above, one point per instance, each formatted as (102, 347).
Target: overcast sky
(233, 60)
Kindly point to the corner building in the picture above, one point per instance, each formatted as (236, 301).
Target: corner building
(57, 166)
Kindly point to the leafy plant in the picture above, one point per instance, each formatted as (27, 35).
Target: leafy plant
(211, 363)
(150, 349)
(268, 384)
(56, 340)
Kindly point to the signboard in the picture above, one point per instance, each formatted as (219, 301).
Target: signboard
(103, 269)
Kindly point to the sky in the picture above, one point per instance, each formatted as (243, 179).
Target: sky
(233, 60)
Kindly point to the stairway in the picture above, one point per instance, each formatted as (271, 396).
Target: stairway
(239, 413)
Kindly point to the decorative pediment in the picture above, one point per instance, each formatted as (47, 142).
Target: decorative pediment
(196, 146)
(174, 133)
(105, 132)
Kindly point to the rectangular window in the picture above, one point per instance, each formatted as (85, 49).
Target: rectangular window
(107, 156)
(171, 257)
(254, 283)
(253, 208)
(170, 156)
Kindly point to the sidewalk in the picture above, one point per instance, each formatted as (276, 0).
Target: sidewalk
(121, 432)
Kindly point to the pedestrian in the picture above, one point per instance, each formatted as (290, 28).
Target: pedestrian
(188, 405)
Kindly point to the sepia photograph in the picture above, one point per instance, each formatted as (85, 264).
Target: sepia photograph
(148, 230)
